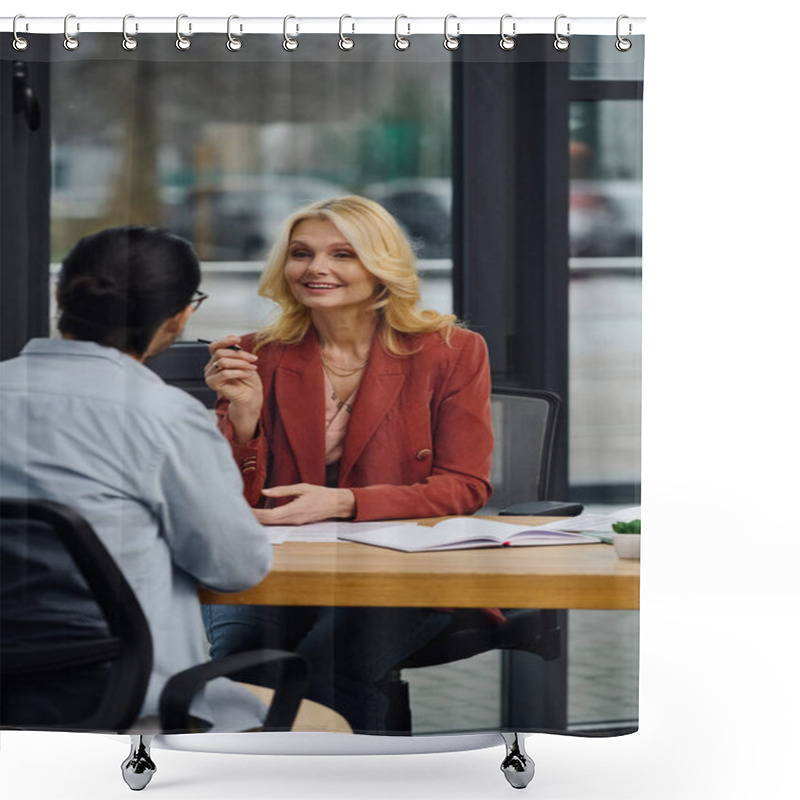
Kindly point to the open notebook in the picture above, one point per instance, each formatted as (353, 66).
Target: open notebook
(461, 533)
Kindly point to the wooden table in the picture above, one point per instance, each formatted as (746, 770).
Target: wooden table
(347, 574)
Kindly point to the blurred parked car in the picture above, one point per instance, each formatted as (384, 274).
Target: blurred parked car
(239, 221)
(605, 218)
(423, 207)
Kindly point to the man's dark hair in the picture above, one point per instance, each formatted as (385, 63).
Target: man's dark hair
(117, 287)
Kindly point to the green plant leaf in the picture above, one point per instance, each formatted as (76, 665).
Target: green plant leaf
(635, 526)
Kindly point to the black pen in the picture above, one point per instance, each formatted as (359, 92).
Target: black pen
(230, 346)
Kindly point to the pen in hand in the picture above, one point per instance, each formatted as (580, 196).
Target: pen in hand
(230, 346)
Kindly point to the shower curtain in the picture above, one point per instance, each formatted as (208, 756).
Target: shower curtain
(511, 161)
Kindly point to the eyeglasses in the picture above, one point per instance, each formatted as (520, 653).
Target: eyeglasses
(197, 300)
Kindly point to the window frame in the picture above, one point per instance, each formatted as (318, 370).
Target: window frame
(24, 200)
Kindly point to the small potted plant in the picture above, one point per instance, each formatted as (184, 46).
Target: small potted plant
(627, 538)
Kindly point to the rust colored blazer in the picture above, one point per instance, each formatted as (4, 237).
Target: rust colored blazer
(419, 440)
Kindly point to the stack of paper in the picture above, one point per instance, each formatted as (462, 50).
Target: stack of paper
(596, 522)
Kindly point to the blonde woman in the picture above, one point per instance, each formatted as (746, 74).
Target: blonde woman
(353, 404)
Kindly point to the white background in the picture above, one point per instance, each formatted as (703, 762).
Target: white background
(720, 611)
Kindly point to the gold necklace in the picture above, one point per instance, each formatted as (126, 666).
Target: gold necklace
(341, 404)
(341, 372)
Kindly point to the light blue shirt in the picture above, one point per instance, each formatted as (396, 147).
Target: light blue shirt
(90, 427)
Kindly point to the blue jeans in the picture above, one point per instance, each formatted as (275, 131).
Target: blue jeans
(350, 649)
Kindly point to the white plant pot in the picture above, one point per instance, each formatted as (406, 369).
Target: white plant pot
(628, 545)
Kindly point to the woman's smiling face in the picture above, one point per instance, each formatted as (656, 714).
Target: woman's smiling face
(323, 270)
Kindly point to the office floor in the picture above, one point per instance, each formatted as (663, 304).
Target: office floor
(602, 681)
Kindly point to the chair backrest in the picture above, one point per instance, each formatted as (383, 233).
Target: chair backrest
(68, 618)
(526, 425)
(182, 365)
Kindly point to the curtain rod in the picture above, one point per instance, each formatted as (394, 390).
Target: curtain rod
(403, 26)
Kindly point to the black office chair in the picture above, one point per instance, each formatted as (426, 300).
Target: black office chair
(526, 425)
(48, 554)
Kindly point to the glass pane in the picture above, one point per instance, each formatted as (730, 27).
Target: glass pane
(606, 178)
(605, 300)
(603, 669)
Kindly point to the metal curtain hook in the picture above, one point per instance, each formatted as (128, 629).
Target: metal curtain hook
(400, 42)
(345, 43)
(70, 42)
(290, 44)
(19, 43)
(128, 42)
(451, 42)
(507, 42)
(233, 44)
(561, 42)
(182, 43)
(623, 44)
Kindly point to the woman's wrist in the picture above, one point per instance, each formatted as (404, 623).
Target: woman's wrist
(346, 504)
(244, 421)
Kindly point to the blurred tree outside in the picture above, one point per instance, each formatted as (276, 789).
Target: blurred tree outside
(136, 190)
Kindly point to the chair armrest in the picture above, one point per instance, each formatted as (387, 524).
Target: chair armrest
(543, 508)
(292, 684)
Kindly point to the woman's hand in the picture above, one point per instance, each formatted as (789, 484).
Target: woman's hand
(234, 375)
(310, 504)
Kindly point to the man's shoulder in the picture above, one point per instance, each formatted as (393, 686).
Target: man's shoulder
(168, 404)
(10, 368)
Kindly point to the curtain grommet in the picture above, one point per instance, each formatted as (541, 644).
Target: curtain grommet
(70, 42)
(129, 42)
(507, 42)
(451, 42)
(290, 43)
(622, 44)
(401, 43)
(181, 42)
(345, 42)
(20, 43)
(233, 44)
(561, 43)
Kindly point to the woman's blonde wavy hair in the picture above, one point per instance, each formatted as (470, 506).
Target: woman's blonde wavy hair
(384, 251)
